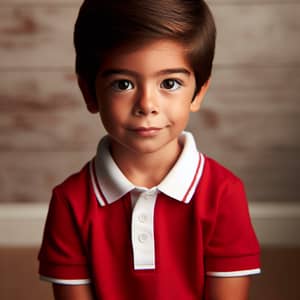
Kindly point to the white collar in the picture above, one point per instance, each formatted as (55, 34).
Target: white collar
(110, 184)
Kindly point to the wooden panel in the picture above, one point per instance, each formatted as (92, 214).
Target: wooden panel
(45, 110)
(69, 129)
(263, 149)
(42, 36)
(36, 91)
(30, 176)
(36, 37)
(251, 78)
(258, 35)
(260, 142)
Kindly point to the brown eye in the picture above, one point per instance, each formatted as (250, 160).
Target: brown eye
(122, 85)
(171, 84)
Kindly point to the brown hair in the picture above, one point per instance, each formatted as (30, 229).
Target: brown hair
(103, 25)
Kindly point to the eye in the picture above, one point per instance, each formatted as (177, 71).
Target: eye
(171, 84)
(122, 85)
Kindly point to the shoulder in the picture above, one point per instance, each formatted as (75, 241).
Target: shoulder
(218, 184)
(216, 172)
(75, 185)
(73, 197)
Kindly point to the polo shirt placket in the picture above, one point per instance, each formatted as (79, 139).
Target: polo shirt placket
(142, 229)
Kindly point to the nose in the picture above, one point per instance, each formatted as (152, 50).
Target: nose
(146, 103)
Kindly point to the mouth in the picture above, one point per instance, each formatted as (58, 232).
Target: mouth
(146, 131)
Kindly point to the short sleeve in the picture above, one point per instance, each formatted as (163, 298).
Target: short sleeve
(62, 254)
(232, 249)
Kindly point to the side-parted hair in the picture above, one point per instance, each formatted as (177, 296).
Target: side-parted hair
(104, 25)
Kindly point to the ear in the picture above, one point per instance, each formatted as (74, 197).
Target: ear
(198, 99)
(90, 100)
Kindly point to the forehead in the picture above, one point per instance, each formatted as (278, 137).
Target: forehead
(148, 56)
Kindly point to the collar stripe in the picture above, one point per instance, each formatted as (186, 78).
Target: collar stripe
(194, 183)
(100, 197)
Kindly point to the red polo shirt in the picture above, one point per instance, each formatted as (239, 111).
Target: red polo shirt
(131, 242)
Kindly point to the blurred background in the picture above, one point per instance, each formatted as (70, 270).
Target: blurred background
(250, 122)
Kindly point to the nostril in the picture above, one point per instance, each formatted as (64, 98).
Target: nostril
(143, 111)
(138, 112)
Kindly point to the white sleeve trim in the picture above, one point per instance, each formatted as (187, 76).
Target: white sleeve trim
(234, 273)
(66, 281)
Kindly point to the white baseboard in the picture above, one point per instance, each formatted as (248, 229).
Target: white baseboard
(276, 224)
(22, 224)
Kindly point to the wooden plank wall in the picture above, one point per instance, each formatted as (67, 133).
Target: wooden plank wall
(249, 122)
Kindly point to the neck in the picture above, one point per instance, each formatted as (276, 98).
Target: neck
(145, 169)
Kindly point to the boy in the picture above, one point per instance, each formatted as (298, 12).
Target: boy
(149, 217)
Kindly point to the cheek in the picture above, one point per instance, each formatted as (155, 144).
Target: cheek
(107, 114)
(113, 112)
(179, 115)
(107, 106)
(179, 107)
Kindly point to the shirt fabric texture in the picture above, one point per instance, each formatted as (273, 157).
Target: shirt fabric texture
(159, 243)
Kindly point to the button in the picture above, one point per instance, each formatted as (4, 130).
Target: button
(148, 196)
(151, 192)
(142, 218)
(143, 237)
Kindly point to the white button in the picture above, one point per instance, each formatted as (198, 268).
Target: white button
(148, 195)
(143, 237)
(142, 218)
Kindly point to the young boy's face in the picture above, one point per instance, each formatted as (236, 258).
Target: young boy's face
(145, 95)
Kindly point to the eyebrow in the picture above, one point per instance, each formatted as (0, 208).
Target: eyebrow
(110, 72)
(174, 71)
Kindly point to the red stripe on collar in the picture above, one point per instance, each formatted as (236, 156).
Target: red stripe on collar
(97, 183)
(185, 199)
